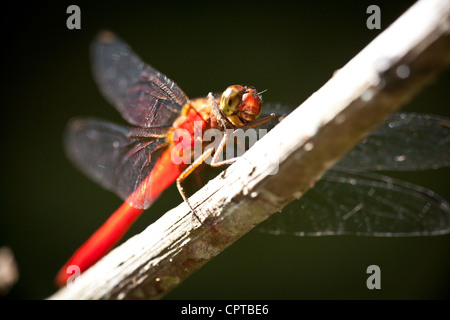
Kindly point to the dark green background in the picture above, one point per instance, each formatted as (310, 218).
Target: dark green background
(48, 208)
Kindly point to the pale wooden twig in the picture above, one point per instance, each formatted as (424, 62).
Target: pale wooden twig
(378, 81)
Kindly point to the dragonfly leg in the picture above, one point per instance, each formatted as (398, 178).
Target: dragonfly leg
(259, 122)
(199, 161)
(187, 172)
(218, 152)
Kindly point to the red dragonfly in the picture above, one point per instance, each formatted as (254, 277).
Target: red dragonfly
(136, 162)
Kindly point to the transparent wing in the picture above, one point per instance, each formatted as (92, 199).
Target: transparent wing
(346, 202)
(406, 141)
(349, 201)
(144, 96)
(116, 157)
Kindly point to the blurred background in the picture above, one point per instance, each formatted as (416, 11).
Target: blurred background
(48, 208)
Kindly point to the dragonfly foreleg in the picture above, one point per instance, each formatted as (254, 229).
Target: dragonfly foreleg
(259, 122)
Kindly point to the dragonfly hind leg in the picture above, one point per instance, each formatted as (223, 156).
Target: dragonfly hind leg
(186, 173)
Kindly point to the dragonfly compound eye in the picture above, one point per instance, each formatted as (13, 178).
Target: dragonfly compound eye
(251, 106)
(231, 99)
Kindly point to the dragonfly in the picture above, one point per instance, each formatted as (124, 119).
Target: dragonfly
(135, 161)
(138, 162)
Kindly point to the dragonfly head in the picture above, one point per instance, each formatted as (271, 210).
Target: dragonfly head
(241, 104)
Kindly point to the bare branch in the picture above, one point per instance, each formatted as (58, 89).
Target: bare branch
(379, 80)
